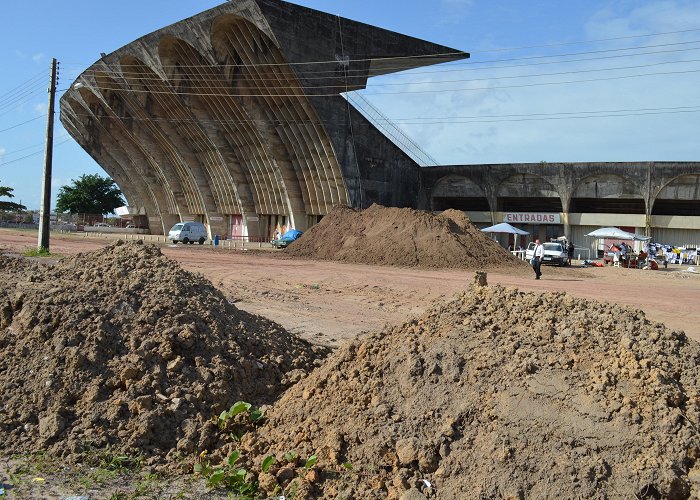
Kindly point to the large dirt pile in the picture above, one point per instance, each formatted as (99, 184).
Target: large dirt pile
(123, 348)
(498, 394)
(401, 237)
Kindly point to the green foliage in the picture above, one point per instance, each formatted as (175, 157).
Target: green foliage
(8, 206)
(37, 252)
(291, 456)
(267, 462)
(227, 476)
(255, 415)
(90, 194)
(310, 462)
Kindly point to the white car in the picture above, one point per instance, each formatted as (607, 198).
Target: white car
(188, 232)
(102, 224)
(554, 253)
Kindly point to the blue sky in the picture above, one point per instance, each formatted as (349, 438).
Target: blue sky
(581, 80)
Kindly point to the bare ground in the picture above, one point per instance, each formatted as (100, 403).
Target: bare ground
(328, 302)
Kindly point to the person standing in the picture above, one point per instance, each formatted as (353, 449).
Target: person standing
(570, 251)
(537, 257)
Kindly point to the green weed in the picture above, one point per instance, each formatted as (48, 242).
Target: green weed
(227, 475)
(38, 252)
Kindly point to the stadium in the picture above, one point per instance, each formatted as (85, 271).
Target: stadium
(244, 118)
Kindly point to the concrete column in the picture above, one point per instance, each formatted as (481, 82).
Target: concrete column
(169, 220)
(216, 225)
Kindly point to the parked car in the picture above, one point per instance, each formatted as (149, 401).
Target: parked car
(188, 232)
(554, 253)
(102, 224)
(288, 238)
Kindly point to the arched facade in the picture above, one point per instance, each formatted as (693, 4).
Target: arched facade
(459, 193)
(660, 199)
(235, 118)
(607, 193)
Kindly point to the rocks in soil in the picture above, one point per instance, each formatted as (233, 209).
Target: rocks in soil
(401, 237)
(123, 348)
(500, 394)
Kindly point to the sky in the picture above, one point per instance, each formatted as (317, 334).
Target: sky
(573, 81)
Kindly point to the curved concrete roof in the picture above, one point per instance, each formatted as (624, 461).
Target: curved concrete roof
(237, 111)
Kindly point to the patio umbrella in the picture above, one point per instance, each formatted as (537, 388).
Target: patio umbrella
(504, 227)
(616, 233)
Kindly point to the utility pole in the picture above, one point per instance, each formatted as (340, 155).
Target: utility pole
(45, 212)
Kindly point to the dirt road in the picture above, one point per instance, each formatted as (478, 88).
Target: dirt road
(329, 302)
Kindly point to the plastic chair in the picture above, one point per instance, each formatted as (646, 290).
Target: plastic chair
(616, 259)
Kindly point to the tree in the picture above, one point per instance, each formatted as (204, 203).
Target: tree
(8, 206)
(90, 194)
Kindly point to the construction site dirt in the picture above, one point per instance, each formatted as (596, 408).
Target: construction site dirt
(328, 302)
(435, 384)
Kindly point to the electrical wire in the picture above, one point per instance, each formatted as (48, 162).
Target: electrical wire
(410, 73)
(216, 83)
(23, 123)
(32, 81)
(446, 54)
(559, 44)
(5, 163)
(344, 87)
(303, 95)
(19, 100)
(136, 75)
(436, 120)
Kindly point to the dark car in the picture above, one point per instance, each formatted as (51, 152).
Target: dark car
(289, 237)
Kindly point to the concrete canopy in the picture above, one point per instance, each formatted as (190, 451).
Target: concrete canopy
(237, 114)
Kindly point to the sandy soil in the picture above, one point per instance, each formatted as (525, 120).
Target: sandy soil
(329, 302)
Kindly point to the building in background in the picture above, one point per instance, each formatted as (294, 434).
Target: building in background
(239, 118)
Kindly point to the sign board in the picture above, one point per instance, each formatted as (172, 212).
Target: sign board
(154, 219)
(252, 218)
(216, 218)
(531, 218)
(187, 218)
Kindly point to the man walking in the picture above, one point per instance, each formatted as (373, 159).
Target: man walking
(537, 257)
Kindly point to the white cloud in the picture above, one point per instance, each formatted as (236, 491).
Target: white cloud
(40, 108)
(2, 153)
(454, 11)
(641, 137)
(651, 17)
(39, 57)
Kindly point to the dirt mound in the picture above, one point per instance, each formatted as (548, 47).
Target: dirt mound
(123, 348)
(501, 394)
(401, 237)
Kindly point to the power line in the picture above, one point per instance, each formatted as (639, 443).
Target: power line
(5, 163)
(128, 76)
(344, 87)
(9, 109)
(23, 123)
(19, 87)
(440, 120)
(40, 146)
(443, 54)
(304, 95)
(136, 75)
(551, 118)
(559, 44)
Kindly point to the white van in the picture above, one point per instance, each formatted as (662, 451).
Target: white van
(188, 232)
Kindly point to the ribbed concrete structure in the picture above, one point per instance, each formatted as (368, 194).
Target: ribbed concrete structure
(234, 118)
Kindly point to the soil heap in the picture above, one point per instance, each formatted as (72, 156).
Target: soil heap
(123, 348)
(498, 394)
(401, 237)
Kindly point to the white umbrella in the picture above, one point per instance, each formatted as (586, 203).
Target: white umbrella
(616, 233)
(504, 227)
